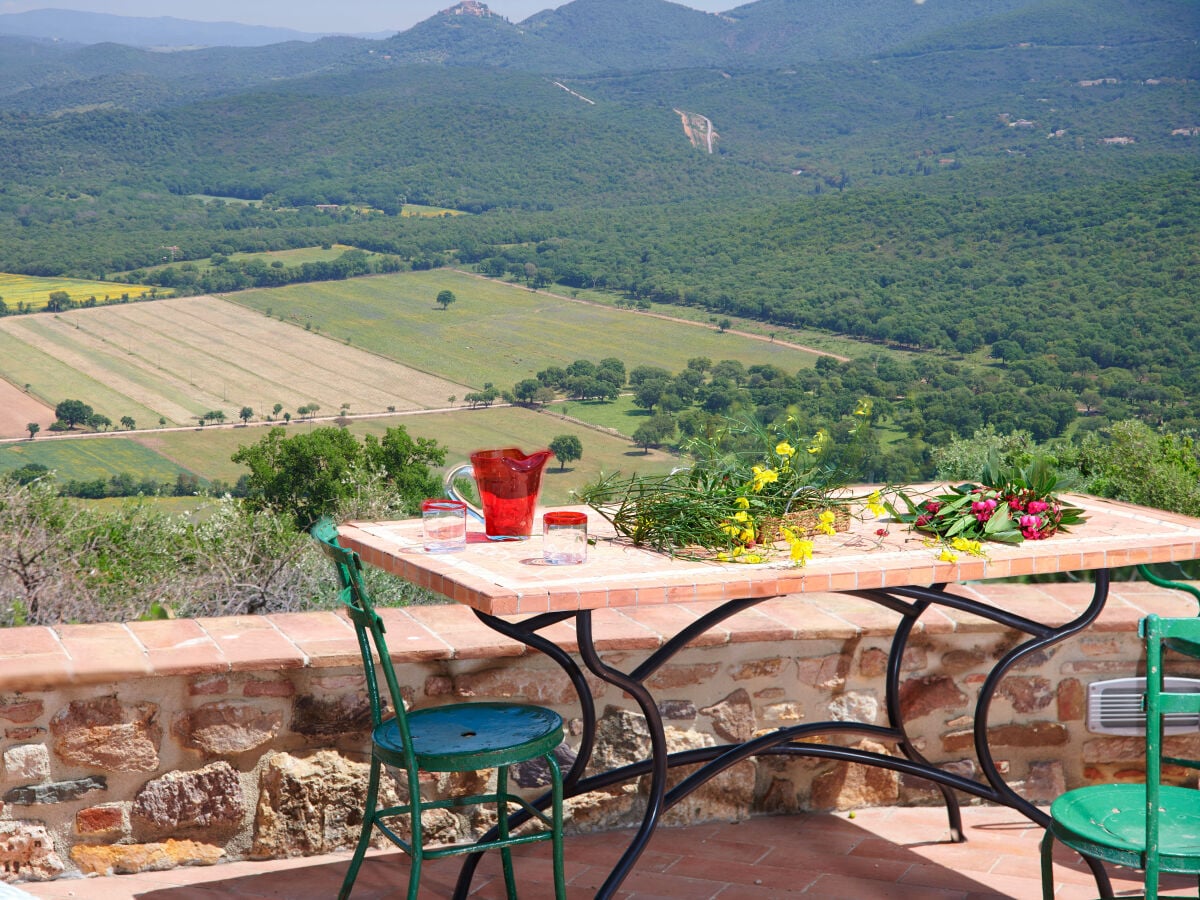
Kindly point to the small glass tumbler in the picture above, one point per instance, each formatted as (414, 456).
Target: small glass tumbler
(445, 525)
(564, 538)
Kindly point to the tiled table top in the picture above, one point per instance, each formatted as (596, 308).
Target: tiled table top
(510, 578)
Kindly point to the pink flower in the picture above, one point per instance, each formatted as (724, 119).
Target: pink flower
(1031, 527)
(932, 506)
(1036, 507)
(983, 509)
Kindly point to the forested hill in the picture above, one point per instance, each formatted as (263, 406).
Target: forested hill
(1013, 181)
(589, 37)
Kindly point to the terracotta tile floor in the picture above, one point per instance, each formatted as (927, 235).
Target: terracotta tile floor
(894, 853)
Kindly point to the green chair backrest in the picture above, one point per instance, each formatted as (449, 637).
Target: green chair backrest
(369, 628)
(1182, 636)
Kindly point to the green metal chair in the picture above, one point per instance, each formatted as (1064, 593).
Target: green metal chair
(1153, 827)
(462, 737)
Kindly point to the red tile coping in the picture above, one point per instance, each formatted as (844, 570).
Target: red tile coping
(39, 658)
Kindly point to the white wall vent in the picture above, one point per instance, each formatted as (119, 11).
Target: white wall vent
(1115, 706)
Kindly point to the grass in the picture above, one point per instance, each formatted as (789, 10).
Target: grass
(620, 414)
(90, 458)
(33, 293)
(499, 332)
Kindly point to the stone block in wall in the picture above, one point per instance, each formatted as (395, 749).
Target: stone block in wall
(54, 791)
(1026, 693)
(226, 729)
(28, 762)
(129, 859)
(1045, 782)
(21, 710)
(27, 853)
(732, 717)
(848, 785)
(101, 821)
(621, 738)
(209, 798)
(1071, 700)
(823, 671)
(726, 797)
(107, 734)
(331, 717)
(312, 803)
(854, 706)
(927, 694)
(548, 687)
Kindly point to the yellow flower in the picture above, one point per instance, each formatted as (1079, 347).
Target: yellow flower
(762, 477)
(751, 558)
(819, 440)
(825, 523)
(864, 407)
(948, 555)
(965, 545)
(801, 550)
(783, 448)
(875, 504)
(741, 516)
(742, 503)
(746, 536)
(731, 528)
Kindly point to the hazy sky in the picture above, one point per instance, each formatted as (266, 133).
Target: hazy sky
(351, 16)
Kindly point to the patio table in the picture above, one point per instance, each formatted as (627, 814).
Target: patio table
(514, 592)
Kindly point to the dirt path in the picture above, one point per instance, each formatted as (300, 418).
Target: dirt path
(653, 315)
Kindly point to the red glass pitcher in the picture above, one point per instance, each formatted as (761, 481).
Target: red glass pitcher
(508, 482)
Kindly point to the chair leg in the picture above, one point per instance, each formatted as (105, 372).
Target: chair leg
(364, 836)
(1048, 865)
(510, 881)
(556, 819)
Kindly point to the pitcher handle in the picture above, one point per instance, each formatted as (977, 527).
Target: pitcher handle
(451, 492)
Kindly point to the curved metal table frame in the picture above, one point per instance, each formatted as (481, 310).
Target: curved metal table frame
(910, 602)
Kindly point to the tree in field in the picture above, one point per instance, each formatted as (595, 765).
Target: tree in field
(310, 475)
(73, 412)
(276, 409)
(287, 417)
(58, 301)
(99, 422)
(654, 431)
(246, 414)
(445, 298)
(128, 423)
(566, 448)
(33, 428)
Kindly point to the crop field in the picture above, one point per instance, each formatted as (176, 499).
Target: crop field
(289, 258)
(31, 292)
(180, 358)
(500, 332)
(86, 459)
(207, 452)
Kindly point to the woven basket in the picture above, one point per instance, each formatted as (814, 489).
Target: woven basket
(803, 523)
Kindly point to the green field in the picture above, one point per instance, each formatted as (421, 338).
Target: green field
(32, 293)
(86, 459)
(289, 258)
(207, 452)
(500, 332)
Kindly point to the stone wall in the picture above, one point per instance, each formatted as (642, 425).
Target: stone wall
(154, 745)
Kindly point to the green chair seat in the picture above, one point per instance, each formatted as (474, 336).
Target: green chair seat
(1108, 821)
(468, 736)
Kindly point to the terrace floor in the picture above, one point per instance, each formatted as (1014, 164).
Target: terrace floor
(895, 853)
